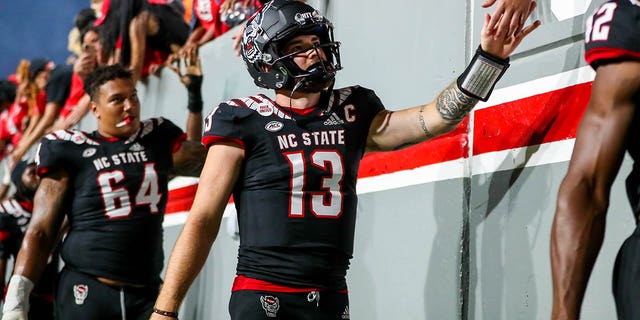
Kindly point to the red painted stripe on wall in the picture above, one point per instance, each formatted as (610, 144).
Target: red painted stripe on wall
(542, 118)
(451, 146)
(180, 199)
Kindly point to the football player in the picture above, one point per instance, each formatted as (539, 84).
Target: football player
(612, 48)
(112, 185)
(15, 214)
(292, 163)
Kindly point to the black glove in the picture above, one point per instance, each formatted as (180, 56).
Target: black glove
(194, 88)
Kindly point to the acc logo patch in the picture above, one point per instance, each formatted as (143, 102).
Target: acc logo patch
(274, 126)
(80, 292)
(270, 304)
(88, 152)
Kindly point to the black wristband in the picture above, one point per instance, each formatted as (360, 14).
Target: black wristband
(194, 89)
(482, 74)
(195, 103)
(168, 314)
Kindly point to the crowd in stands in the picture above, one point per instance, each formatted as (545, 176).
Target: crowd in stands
(143, 35)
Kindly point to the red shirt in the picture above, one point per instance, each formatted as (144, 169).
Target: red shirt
(207, 13)
(75, 93)
(13, 123)
(41, 103)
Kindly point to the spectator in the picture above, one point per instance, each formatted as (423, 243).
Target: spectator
(509, 18)
(292, 165)
(237, 37)
(77, 105)
(66, 98)
(82, 20)
(15, 215)
(112, 184)
(7, 94)
(207, 23)
(40, 72)
(147, 33)
(7, 97)
(25, 112)
(39, 75)
(235, 12)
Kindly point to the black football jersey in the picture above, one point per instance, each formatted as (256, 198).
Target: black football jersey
(14, 219)
(613, 34)
(117, 198)
(296, 195)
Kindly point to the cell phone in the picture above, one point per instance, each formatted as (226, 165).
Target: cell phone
(89, 49)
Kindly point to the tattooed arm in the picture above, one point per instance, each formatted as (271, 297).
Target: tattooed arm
(39, 240)
(44, 228)
(396, 130)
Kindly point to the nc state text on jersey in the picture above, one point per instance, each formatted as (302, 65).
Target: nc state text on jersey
(316, 138)
(122, 157)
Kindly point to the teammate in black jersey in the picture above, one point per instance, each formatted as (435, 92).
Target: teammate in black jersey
(15, 214)
(112, 185)
(292, 163)
(610, 126)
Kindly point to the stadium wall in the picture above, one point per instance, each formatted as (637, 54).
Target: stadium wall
(454, 228)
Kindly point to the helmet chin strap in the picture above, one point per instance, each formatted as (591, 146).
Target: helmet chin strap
(324, 98)
(316, 74)
(295, 87)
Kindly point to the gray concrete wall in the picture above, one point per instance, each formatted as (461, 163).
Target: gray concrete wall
(473, 247)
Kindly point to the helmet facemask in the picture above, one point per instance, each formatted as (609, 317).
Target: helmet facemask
(318, 76)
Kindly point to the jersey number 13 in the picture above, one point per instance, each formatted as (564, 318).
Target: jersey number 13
(324, 204)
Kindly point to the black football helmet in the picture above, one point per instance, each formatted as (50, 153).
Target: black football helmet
(268, 31)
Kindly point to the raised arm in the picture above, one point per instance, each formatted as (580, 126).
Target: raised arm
(396, 129)
(583, 198)
(38, 242)
(189, 159)
(139, 28)
(51, 112)
(201, 228)
(77, 114)
(57, 92)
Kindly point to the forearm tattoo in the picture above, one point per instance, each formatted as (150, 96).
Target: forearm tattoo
(453, 105)
(423, 125)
